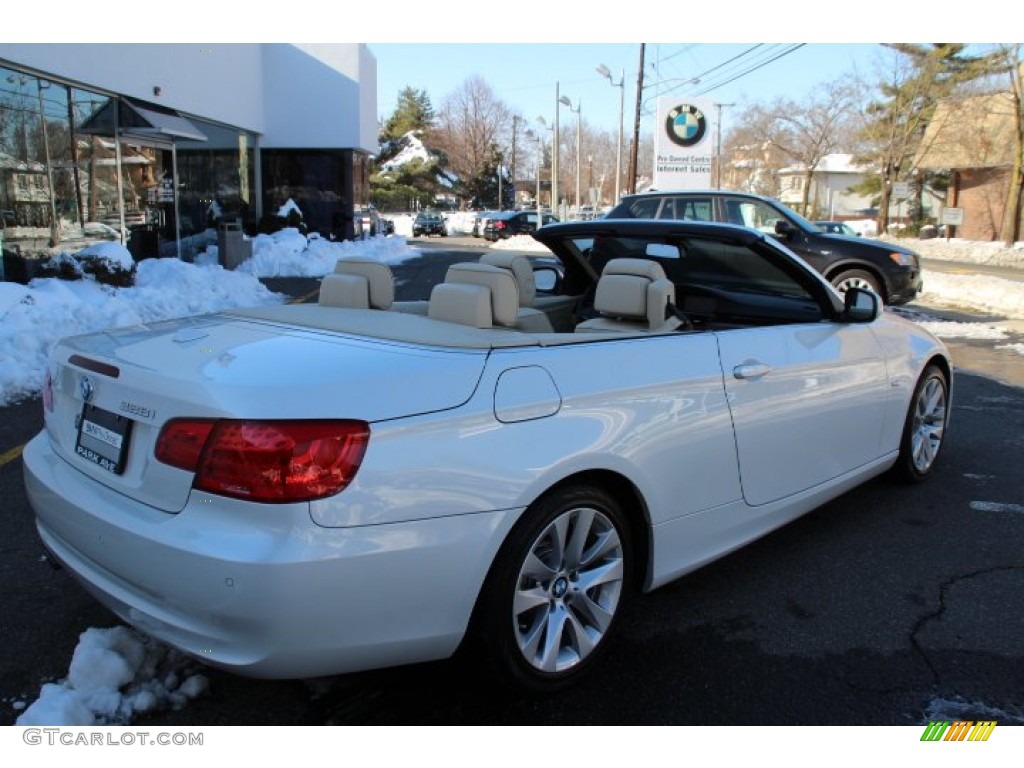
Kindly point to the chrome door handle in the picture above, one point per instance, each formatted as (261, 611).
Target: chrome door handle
(751, 370)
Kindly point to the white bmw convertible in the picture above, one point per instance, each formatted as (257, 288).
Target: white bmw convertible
(322, 488)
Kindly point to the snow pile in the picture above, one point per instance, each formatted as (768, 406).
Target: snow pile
(112, 253)
(34, 317)
(948, 329)
(114, 675)
(289, 253)
(287, 208)
(965, 251)
(460, 223)
(983, 293)
(519, 243)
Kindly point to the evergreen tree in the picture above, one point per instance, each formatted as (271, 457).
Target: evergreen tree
(915, 80)
(413, 112)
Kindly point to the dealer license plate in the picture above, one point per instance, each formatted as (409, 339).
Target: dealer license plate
(103, 438)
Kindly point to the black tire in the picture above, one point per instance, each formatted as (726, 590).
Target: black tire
(856, 278)
(925, 429)
(539, 626)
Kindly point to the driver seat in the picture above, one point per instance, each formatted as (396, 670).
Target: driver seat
(633, 296)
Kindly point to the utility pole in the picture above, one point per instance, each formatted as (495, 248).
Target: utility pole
(636, 124)
(515, 123)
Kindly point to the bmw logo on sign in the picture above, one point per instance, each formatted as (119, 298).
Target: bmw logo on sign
(685, 125)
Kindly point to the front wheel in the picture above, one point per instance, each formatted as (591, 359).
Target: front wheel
(857, 278)
(925, 428)
(558, 584)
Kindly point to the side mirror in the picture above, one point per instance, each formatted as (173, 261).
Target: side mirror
(861, 306)
(547, 279)
(784, 229)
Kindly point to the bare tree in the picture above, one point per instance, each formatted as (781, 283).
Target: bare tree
(751, 163)
(468, 129)
(804, 132)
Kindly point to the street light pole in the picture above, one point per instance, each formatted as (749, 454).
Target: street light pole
(540, 162)
(565, 100)
(621, 85)
(554, 158)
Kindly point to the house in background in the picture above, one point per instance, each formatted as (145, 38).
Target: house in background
(973, 138)
(168, 140)
(830, 188)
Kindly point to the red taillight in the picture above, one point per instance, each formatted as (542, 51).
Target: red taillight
(499, 225)
(181, 442)
(269, 461)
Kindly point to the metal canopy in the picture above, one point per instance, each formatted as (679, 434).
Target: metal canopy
(135, 119)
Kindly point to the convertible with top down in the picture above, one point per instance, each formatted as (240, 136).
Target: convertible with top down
(311, 489)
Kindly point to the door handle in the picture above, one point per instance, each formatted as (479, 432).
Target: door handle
(751, 370)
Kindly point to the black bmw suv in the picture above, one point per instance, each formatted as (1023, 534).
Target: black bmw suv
(891, 271)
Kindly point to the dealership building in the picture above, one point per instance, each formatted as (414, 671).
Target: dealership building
(158, 145)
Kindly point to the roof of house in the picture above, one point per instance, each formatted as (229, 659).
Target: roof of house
(975, 132)
(837, 162)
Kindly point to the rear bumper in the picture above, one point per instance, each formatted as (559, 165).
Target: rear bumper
(262, 590)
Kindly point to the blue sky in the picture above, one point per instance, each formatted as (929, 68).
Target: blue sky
(524, 75)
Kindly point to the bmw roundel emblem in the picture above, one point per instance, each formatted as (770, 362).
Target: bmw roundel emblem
(85, 388)
(685, 125)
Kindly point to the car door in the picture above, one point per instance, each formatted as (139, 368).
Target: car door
(807, 395)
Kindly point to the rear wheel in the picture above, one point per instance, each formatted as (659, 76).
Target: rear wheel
(925, 428)
(551, 600)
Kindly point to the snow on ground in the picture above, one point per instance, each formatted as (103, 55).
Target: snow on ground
(289, 253)
(965, 251)
(994, 295)
(34, 317)
(116, 674)
(519, 243)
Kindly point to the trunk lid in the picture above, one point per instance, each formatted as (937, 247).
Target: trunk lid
(112, 391)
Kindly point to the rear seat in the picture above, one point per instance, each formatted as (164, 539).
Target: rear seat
(478, 295)
(358, 283)
(528, 318)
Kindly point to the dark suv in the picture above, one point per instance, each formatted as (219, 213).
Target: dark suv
(428, 223)
(509, 223)
(891, 271)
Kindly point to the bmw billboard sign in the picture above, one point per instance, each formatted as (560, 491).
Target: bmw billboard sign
(683, 147)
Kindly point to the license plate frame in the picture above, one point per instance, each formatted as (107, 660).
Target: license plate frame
(103, 438)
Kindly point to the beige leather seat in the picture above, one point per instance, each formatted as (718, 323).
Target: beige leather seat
(478, 295)
(528, 318)
(632, 297)
(358, 283)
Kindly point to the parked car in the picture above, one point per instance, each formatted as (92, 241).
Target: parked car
(509, 223)
(480, 221)
(427, 223)
(892, 271)
(372, 223)
(837, 228)
(294, 491)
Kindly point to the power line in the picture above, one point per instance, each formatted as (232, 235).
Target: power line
(717, 85)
